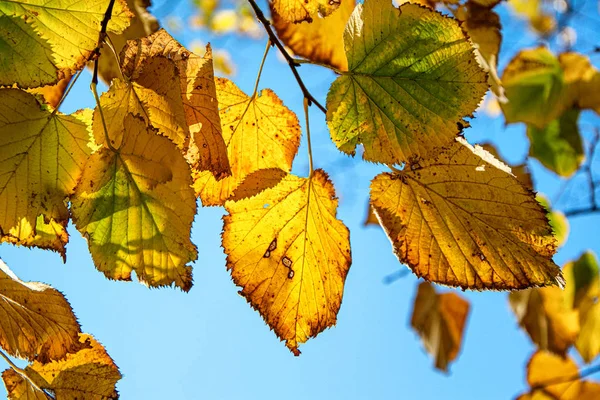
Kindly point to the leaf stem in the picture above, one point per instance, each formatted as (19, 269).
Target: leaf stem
(262, 64)
(23, 374)
(290, 60)
(66, 93)
(106, 137)
(330, 67)
(308, 144)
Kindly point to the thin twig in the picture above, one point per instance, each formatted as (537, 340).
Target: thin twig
(23, 374)
(394, 276)
(320, 64)
(101, 38)
(262, 64)
(66, 93)
(308, 144)
(290, 60)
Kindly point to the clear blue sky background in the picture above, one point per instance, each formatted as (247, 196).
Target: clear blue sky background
(209, 344)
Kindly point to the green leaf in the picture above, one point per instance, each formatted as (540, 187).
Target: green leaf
(558, 221)
(558, 146)
(59, 39)
(535, 88)
(412, 78)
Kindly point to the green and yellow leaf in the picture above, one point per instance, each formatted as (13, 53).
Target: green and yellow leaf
(260, 133)
(412, 78)
(447, 220)
(36, 321)
(136, 208)
(558, 221)
(89, 374)
(440, 321)
(42, 154)
(320, 40)
(48, 40)
(290, 254)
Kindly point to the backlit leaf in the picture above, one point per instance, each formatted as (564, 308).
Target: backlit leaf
(89, 374)
(48, 40)
(558, 221)
(177, 88)
(558, 145)
(304, 10)
(520, 171)
(557, 377)
(41, 159)
(546, 317)
(260, 133)
(412, 78)
(447, 219)
(290, 255)
(583, 80)
(535, 87)
(136, 208)
(440, 321)
(36, 321)
(320, 40)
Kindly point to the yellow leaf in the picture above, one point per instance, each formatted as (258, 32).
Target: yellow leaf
(136, 208)
(179, 93)
(89, 374)
(290, 255)
(59, 35)
(36, 321)
(304, 10)
(558, 378)
(520, 171)
(440, 321)
(320, 40)
(408, 86)
(371, 218)
(52, 93)
(583, 80)
(256, 182)
(462, 219)
(544, 314)
(260, 133)
(42, 156)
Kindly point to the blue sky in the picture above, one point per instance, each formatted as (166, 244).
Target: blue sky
(209, 343)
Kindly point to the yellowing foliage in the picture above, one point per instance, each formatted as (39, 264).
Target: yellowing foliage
(135, 206)
(446, 219)
(320, 40)
(290, 255)
(42, 153)
(88, 374)
(177, 89)
(304, 10)
(36, 321)
(61, 34)
(400, 99)
(440, 321)
(260, 133)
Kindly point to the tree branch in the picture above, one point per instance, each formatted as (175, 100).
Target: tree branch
(101, 38)
(290, 60)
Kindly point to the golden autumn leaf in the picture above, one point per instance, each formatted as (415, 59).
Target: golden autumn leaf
(446, 219)
(52, 94)
(304, 10)
(36, 321)
(260, 133)
(557, 378)
(544, 314)
(408, 87)
(48, 40)
(440, 321)
(583, 81)
(371, 218)
(520, 171)
(136, 208)
(42, 153)
(177, 89)
(89, 374)
(290, 255)
(320, 40)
